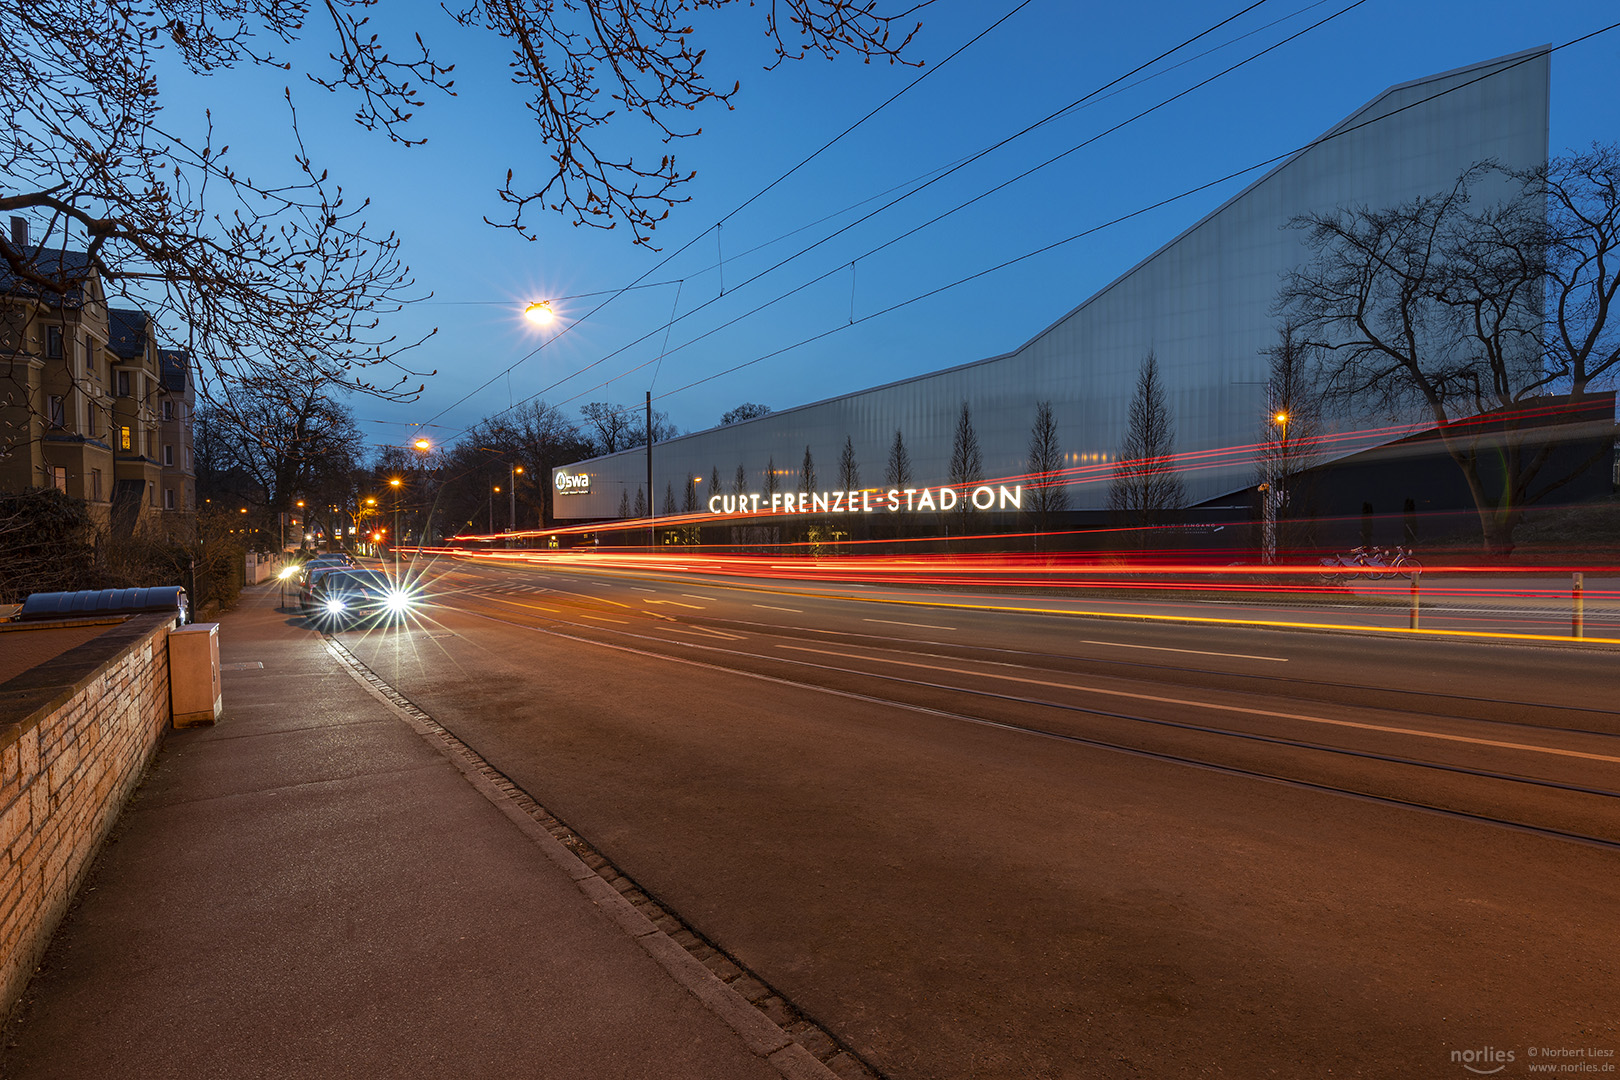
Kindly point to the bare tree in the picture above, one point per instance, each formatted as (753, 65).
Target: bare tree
(1438, 307)
(285, 267)
(669, 500)
(689, 503)
(746, 411)
(967, 462)
(849, 471)
(772, 484)
(640, 510)
(1146, 488)
(898, 472)
(609, 427)
(290, 439)
(739, 483)
(1048, 494)
(624, 503)
(1288, 446)
(807, 472)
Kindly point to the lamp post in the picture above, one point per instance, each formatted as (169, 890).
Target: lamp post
(493, 491)
(395, 482)
(511, 492)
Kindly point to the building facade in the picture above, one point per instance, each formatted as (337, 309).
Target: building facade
(1202, 304)
(56, 382)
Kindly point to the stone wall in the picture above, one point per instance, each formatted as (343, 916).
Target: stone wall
(76, 735)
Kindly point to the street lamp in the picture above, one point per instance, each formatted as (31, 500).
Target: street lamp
(540, 313)
(395, 482)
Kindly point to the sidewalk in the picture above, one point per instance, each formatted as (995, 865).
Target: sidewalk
(311, 889)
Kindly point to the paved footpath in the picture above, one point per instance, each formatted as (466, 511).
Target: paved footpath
(313, 889)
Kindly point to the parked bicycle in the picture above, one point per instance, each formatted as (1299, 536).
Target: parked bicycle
(1374, 562)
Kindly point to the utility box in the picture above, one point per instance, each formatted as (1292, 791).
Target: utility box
(194, 690)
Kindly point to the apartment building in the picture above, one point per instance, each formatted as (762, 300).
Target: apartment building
(57, 384)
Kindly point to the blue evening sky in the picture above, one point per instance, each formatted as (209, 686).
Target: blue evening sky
(1049, 54)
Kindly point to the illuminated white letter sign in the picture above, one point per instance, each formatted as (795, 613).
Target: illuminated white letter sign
(867, 501)
(573, 483)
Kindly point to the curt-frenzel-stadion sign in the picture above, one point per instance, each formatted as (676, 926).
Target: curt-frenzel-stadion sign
(869, 501)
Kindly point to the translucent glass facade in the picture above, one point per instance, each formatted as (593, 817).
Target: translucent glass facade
(1203, 303)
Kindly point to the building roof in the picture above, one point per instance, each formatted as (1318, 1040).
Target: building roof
(174, 365)
(72, 266)
(126, 332)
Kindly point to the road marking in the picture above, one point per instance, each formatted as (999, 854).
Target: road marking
(773, 607)
(1191, 652)
(1217, 707)
(676, 603)
(638, 588)
(706, 630)
(925, 626)
(695, 596)
(517, 603)
(604, 618)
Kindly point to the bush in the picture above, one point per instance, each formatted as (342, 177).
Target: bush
(47, 544)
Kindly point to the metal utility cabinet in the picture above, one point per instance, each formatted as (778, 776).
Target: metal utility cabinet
(194, 689)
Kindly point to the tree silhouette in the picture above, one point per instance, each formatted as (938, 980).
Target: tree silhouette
(1146, 489)
(1048, 495)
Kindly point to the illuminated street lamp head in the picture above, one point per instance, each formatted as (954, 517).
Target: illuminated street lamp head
(395, 482)
(423, 444)
(371, 501)
(518, 470)
(497, 489)
(1281, 418)
(539, 313)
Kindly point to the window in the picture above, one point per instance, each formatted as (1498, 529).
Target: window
(168, 413)
(168, 498)
(59, 478)
(56, 411)
(168, 456)
(53, 341)
(123, 384)
(124, 440)
(95, 485)
(151, 492)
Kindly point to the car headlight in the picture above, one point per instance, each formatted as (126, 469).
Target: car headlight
(399, 602)
(334, 606)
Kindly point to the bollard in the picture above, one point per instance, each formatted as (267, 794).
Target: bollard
(1577, 614)
(1415, 574)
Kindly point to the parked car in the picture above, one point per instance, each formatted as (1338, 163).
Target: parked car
(347, 597)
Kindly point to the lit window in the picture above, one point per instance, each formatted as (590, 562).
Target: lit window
(125, 442)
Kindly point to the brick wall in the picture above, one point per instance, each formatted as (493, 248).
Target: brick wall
(76, 734)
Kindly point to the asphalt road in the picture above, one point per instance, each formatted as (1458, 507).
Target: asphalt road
(982, 843)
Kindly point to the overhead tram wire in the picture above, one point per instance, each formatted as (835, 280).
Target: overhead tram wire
(762, 245)
(1084, 232)
(744, 205)
(1050, 117)
(940, 176)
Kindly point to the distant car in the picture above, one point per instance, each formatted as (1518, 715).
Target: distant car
(331, 559)
(346, 597)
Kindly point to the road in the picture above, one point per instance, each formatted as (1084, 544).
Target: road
(973, 842)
